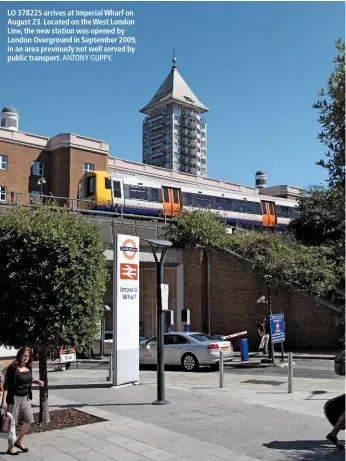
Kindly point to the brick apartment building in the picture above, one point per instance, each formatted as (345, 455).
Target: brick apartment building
(31, 164)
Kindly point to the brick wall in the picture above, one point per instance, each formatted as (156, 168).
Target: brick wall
(18, 176)
(77, 159)
(63, 168)
(235, 287)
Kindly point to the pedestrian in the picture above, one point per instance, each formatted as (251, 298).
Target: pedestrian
(263, 335)
(16, 397)
(333, 435)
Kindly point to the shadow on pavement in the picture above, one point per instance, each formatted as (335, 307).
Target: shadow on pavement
(80, 405)
(81, 386)
(309, 450)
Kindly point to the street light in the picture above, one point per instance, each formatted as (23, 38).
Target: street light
(105, 309)
(163, 245)
(40, 183)
(207, 261)
(271, 345)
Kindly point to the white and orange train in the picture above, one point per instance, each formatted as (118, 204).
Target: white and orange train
(138, 196)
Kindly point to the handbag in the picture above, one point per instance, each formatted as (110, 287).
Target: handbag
(5, 422)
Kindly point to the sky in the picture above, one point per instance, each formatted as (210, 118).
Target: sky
(258, 67)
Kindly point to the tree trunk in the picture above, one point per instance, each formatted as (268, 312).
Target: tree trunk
(44, 404)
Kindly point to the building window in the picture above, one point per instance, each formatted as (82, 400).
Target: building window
(88, 167)
(3, 162)
(3, 191)
(37, 168)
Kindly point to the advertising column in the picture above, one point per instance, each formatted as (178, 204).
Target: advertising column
(126, 310)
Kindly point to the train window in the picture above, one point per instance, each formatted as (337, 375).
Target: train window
(91, 186)
(255, 208)
(204, 201)
(108, 184)
(138, 193)
(155, 195)
(271, 208)
(241, 206)
(166, 195)
(186, 199)
(175, 196)
(116, 189)
(282, 211)
(223, 203)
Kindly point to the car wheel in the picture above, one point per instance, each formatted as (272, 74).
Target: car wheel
(189, 362)
(86, 353)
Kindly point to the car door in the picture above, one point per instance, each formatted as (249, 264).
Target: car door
(148, 352)
(174, 348)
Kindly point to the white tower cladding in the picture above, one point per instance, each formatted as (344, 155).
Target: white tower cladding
(9, 118)
(174, 133)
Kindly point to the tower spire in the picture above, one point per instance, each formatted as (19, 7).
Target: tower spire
(174, 59)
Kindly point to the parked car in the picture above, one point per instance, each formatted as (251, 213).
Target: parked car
(190, 350)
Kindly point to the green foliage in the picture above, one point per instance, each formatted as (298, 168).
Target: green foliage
(332, 119)
(53, 276)
(321, 218)
(312, 269)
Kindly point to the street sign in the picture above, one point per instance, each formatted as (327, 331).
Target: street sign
(277, 328)
(164, 296)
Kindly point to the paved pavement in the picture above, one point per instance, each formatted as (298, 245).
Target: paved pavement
(241, 422)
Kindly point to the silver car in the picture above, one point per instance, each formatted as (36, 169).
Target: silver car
(190, 350)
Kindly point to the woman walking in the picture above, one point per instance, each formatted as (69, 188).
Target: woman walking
(17, 395)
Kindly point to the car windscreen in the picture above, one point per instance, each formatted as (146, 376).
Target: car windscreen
(202, 337)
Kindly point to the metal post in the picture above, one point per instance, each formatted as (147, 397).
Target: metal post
(221, 369)
(290, 372)
(160, 332)
(109, 377)
(102, 340)
(271, 345)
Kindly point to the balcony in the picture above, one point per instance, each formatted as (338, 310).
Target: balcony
(189, 142)
(191, 133)
(191, 114)
(154, 115)
(187, 151)
(154, 134)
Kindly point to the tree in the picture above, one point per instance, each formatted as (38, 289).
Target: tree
(320, 218)
(311, 269)
(321, 211)
(52, 281)
(332, 119)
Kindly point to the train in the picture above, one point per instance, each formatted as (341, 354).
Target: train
(152, 197)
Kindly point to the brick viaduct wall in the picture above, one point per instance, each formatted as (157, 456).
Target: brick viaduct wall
(235, 287)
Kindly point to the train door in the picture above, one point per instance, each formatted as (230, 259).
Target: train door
(171, 200)
(268, 212)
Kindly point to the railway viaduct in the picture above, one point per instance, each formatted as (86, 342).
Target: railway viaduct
(234, 289)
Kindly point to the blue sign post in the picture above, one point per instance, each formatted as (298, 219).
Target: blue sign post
(277, 328)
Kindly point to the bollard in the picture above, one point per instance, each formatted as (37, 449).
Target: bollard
(221, 370)
(109, 377)
(290, 372)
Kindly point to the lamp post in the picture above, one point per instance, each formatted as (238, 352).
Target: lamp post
(105, 309)
(40, 183)
(271, 345)
(163, 245)
(208, 309)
